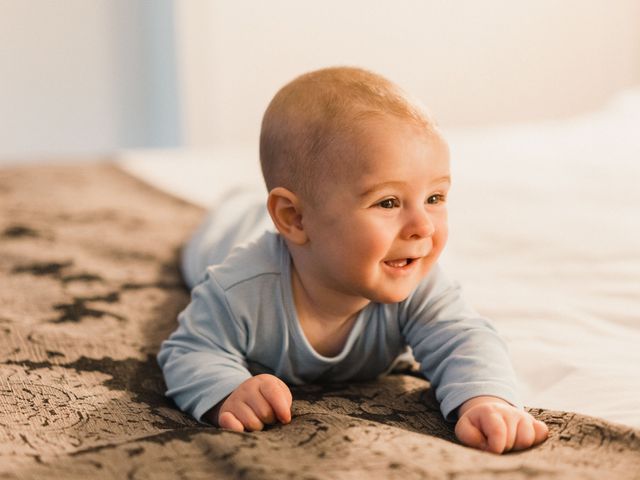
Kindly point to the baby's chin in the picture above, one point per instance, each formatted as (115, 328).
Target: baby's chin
(390, 297)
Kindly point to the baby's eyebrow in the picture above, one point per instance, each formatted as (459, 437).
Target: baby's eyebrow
(443, 179)
(396, 183)
(380, 186)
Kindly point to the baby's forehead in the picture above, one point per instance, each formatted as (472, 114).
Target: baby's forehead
(366, 138)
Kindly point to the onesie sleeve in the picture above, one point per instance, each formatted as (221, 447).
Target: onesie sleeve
(203, 361)
(459, 351)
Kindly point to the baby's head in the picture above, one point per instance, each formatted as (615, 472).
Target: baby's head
(310, 128)
(357, 177)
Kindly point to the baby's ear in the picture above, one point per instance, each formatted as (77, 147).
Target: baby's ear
(286, 212)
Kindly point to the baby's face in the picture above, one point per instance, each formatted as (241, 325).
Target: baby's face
(377, 231)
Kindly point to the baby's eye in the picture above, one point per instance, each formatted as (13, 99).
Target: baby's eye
(436, 199)
(389, 203)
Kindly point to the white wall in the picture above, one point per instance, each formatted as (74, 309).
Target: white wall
(85, 77)
(472, 62)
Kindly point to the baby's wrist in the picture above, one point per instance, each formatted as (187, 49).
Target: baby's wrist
(479, 400)
(211, 415)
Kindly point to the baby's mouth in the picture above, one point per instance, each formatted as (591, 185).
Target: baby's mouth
(399, 263)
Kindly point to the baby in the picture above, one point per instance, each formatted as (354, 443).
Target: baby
(358, 178)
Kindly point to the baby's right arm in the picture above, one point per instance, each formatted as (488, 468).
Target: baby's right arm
(204, 360)
(259, 401)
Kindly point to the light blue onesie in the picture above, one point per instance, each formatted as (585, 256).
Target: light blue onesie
(242, 321)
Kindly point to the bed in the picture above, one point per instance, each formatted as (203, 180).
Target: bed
(544, 240)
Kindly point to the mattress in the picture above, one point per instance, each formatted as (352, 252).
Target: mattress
(89, 268)
(545, 241)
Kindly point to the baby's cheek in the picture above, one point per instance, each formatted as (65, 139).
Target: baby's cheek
(442, 230)
(374, 246)
(440, 240)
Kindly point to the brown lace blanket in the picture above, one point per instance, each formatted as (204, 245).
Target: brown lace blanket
(90, 287)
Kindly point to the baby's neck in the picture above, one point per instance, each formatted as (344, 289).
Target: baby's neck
(325, 317)
(321, 303)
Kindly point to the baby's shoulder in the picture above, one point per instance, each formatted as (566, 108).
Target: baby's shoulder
(253, 261)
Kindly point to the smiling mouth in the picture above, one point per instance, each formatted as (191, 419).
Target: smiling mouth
(400, 263)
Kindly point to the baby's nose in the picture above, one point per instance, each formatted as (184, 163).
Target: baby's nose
(419, 226)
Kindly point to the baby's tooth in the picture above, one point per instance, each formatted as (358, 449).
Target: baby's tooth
(398, 263)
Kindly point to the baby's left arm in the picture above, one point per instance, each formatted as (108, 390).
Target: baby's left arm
(492, 424)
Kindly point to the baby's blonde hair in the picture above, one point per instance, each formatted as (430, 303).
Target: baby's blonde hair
(310, 121)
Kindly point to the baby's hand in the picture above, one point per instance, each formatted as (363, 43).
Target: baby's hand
(258, 401)
(491, 424)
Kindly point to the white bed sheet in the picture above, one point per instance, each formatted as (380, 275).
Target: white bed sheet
(545, 240)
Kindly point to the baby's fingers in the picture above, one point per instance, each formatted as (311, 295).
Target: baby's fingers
(495, 429)
(542, 431)
(245, 415)
(278, 395)
(262, 409)
(512, 434)
(530, 432)
(469, 434)
(228, 421)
